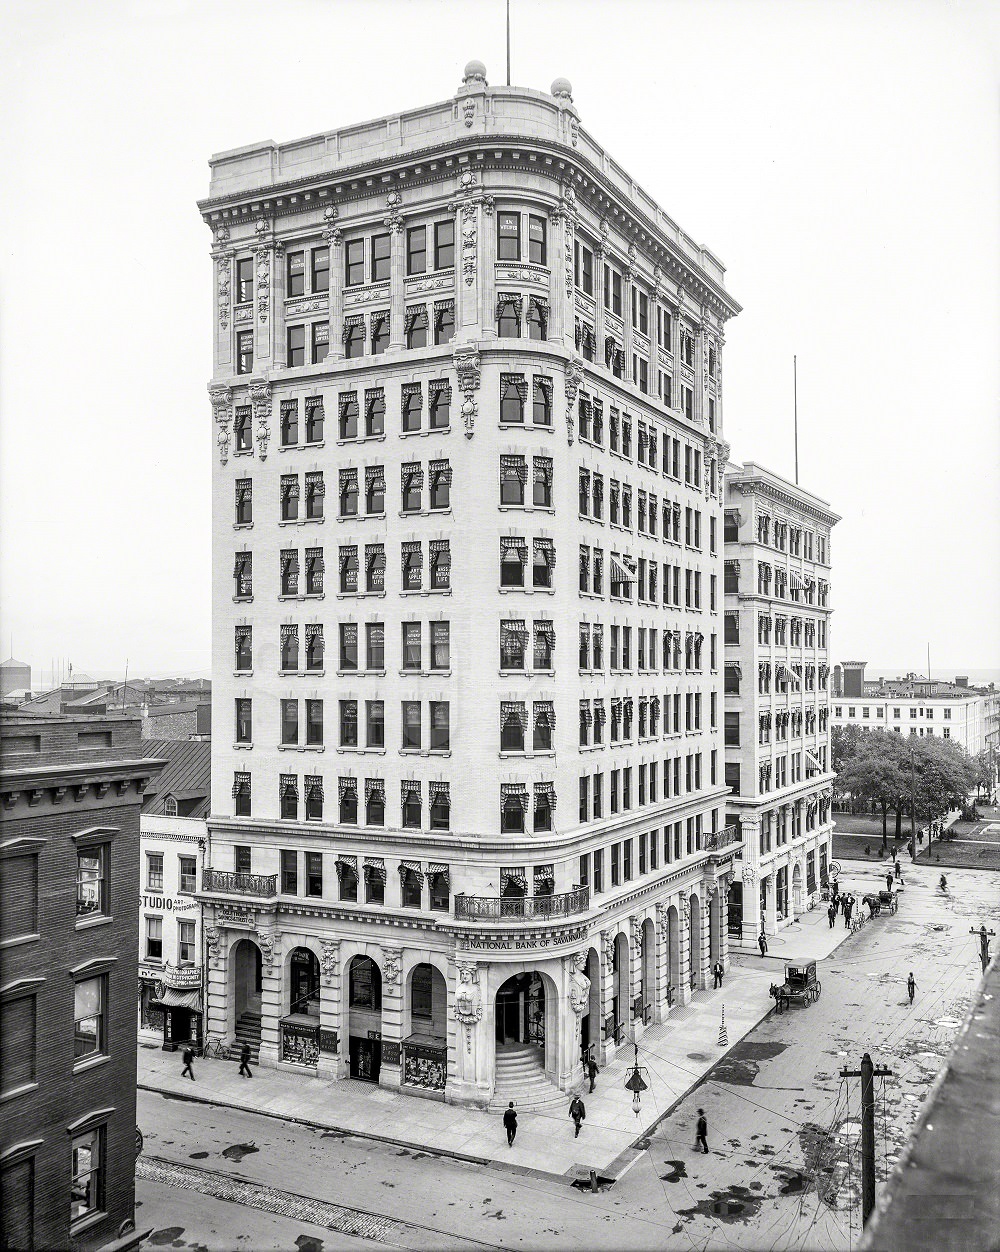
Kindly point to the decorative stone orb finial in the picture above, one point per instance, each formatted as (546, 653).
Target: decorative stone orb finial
(475, 72)
(562, 89)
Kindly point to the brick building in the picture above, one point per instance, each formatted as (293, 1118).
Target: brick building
(468, 807)
(777, 718)
(71, 789)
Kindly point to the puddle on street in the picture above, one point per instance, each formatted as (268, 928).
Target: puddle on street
(678, 1170)
(239, 1150)
(734, 1204)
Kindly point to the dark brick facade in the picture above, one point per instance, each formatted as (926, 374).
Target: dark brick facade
(60, 797)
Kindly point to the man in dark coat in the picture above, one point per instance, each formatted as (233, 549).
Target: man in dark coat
(592, 1071)
(762, 943)
(510, 1124)
(831, 913)
(701, 1137)
(188, 1058)
(578, 1112)
(245, 1061)
(911, 985)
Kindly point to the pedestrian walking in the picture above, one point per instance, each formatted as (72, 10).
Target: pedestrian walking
(188, 1057)
(717, 973)
(245, 1061)
(848, 910)
(578, 1112)
(702, 1134)
(888, 882)
(831, 913)
(762, 943)
(592, 1071)
(510, 1124)
(911, 985)
(897, 870)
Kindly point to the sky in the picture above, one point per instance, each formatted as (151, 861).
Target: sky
(839, 157)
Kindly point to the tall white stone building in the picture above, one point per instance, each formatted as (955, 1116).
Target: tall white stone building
(468, 808)
(777, 684)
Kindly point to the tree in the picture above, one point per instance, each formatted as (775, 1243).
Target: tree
(844, 744)
(874, 771)
(943, 775)
(984, 771)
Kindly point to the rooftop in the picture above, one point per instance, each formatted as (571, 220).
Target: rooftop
(187, 775)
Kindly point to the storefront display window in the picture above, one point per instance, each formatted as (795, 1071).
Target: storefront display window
(425, 1066)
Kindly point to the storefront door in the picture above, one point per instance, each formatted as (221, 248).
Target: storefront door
(366, 1058)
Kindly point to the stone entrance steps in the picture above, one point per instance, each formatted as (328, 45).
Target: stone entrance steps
(520, 1076)
(248, 1031)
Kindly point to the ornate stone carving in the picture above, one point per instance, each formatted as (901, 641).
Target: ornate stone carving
(221, 234)
(574, 130)
(662, 920)
(467, 206)
(260, 400)
(266, 942)
(263, 255)
(574, 377)
(222, 399)
(630, 263)
(579, 983)
(329, 960)
(331, 231)
(749, 875)
(608, 942)
(244, 314)
(224, 264)
(635, 926)
(468, 1001)
(657, 282)
(469, 110)
(394, 218)
(469, 372)
(685, 910)
(213, 937)
(392, 959)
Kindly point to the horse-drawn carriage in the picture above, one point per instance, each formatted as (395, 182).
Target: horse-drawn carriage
(888, 900)
(801, 986)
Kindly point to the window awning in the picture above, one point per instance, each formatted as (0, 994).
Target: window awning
(619, 571)
(172, 998)
(812, 762)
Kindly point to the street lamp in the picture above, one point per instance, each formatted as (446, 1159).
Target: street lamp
(635, 1083)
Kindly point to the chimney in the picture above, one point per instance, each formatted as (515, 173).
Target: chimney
(962, 680)
(838, 680)
(854, 679)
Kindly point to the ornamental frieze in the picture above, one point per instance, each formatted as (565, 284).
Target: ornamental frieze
(297, 306)
(511, 273)
(365, 295)
(511, 942)
(416, 286)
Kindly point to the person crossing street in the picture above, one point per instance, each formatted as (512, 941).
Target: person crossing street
(578, 1112)
(510, 1123)
(592, 1071)
(911, 985)
(701, 1137)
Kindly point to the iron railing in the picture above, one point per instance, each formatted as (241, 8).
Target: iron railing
(499, 908)
(716, 839)
(227, 883)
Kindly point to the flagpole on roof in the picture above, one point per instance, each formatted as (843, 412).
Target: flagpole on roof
(795, 402)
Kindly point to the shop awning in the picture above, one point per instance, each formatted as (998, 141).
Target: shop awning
(174, 999)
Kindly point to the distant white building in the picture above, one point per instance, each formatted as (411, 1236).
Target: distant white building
(15, 678)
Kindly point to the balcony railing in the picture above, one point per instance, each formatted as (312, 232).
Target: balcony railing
(717, 839)
(226, 883)
(521, 908)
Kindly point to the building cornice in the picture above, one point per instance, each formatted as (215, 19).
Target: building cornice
(751, 484)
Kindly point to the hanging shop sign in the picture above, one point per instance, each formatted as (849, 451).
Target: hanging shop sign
(328, 1041)
(390, 1053)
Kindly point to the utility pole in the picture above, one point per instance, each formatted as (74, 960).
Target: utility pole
(868, 1073)
(984, 943)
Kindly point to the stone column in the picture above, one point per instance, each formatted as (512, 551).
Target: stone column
(701, 376)
(635, 970)
(684, 954)
(397, 268)
(574, 1001)
(271, 997)
(705, 947)
(279, 283)
(264, 312)
(334, 237)
(392, 1016)
(606, 1046)
(471, 1052)
(600, 253)
(219, 1012)
(331, 1019)
(628, 274)
(560, 297)
(222, 259)
(677, 352)
(661, 1009)
(654, 352)
(771, 918)
(471, 206)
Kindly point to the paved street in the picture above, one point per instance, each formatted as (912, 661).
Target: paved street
(783, 1126)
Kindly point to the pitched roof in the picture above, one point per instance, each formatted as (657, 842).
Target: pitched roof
(187, 774)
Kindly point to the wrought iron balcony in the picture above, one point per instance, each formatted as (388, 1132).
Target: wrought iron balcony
(225, 883)
(521, 908)
(715, 840)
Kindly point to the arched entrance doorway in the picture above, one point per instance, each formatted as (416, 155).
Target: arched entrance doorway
(647, 967)
(590, 1024)
(694, 940)
(247, 984)
(620, 970)
(425, 1028)
(365, 1018)
(735, 919)
(303, 983)
(520, 1011)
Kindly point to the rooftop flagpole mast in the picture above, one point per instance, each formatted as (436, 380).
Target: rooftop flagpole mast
(508, 43)
(795, 393)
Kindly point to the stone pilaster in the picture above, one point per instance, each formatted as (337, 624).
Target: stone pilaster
(271, 996)
(683, 995)
(397, 269)
(472, 209)
(331, 1016)
(334, 237)
(472, 1023)
(601, 253)
(392, 1016)
(222, 259)
(661, 1008)
(607, 1044)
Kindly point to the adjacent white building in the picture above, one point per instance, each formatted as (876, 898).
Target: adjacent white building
(468, 812)
(777, 711)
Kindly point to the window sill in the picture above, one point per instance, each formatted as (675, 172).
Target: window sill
(305, 595)
(16, 940)
(423, 432)
(528, 591)
(526, 673)
(360, 595)
(300, 521)
(361, 517)
(423, 673)
(242, 525)
(526, 756)
(301, 447)
(526, 508)
(431, 591)
(361, 439)
(301, 747)
(361, 751)
(242, 743)
(242, 599)
(18, 1091)
(86, 1223)
(91, 1062)
(592, 747)
(445, 512)
(589, 517)
(243, 673)
(360, 673)
(425, 752)
(89, 923)
(592, 595)
(243, 452)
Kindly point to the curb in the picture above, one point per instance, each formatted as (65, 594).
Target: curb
(347, 1131)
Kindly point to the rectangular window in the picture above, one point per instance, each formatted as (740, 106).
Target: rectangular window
(537, 249)
(314, 874)
(440, 726)
(320, 342)
(411, 645)
(154, 871)
(375, 723)
(354, 261)
(508, 236)
(314, 723)
(185, 942)
(244, 352)
(320, 269)
(348, 723)
(381, 257)
(411, 724)
(88, 1170)
(91, 882)
(187, 875)
(440, 645)
(154, 938)
(416, 250)
(296, 280)
(244, 280)
(296, 346)
(89, 1034)
(444, 244)
(289, 722)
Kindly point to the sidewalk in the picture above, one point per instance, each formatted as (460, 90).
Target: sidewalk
(675, 1055)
